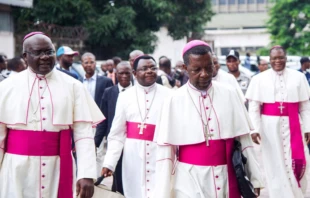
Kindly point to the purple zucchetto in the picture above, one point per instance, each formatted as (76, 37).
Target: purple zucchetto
(32, 34)
(192, 44)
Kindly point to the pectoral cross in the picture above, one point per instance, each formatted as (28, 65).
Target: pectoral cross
(208, 135)
(281, 108)
(142, 126)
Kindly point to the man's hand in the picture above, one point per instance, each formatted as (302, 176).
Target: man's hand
(257, 191)
(106, 172)
(85, 188)
(307, 136)
(255, 138)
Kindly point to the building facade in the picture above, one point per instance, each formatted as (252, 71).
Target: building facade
(238, 24)
(7, 25)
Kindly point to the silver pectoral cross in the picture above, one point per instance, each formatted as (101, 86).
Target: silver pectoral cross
(142, 126)
(207, 134)
(281, 108)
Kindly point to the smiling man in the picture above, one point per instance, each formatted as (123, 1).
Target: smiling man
(280, 111)
(200, 121)
(36, 132)
(133, 130)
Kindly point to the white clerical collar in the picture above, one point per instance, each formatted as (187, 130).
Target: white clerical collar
(35, 75)
(202, 92)
(121, 88)
(147, 89)
(279, 73)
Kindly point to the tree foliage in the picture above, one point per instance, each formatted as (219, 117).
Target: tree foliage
(289, 26)
(118, 27)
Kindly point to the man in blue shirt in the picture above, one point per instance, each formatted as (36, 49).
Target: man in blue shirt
(305, 64)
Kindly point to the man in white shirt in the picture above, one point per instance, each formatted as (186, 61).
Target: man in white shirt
(94, 83)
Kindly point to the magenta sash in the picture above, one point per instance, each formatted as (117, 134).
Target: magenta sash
(298, 155)
(44, 143)
(133, 131)
(219, 152)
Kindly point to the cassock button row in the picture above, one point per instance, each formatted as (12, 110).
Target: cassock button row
(43, 118)
(43, 164)
(207, 107)
(42, 97)
(147, 100)
(217, 176)
(43, 108)
(148, 171)
(209, 118)
(41, 87)
(218, 188)
(147, 144)
(43, 176)
(148, 153)
(43, 187)
(147, 162)
(211, 130)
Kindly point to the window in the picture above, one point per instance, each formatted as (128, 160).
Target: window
(231, 2)
(214, 2)
(6, 23)
(223, 2)
(241, 1)
(251, 1)
(261, 1)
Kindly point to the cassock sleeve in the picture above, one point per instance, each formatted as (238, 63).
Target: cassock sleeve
(255, 116)
(304, 111)
(252, 167)
(3, 134)
(85, 150)
(165, 161)
(117, 135)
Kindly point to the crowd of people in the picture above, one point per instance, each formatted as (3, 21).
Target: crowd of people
(171, 131)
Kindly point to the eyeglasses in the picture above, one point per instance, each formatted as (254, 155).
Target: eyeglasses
(41, 53)
(144, 69)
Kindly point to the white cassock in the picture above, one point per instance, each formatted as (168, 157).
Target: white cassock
(139, 153)
(288, 86)
(229, 79)
(202, 172)
(57, 102)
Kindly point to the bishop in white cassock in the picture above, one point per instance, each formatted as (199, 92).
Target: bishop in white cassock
(133, 130)
(223, 77)
(280, 111)
(39, 107)
(201, 121)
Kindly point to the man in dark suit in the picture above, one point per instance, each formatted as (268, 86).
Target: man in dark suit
(108, 104)
(94, 83)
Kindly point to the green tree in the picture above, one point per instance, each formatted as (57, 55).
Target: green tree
(289, 26)
(118, 27)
